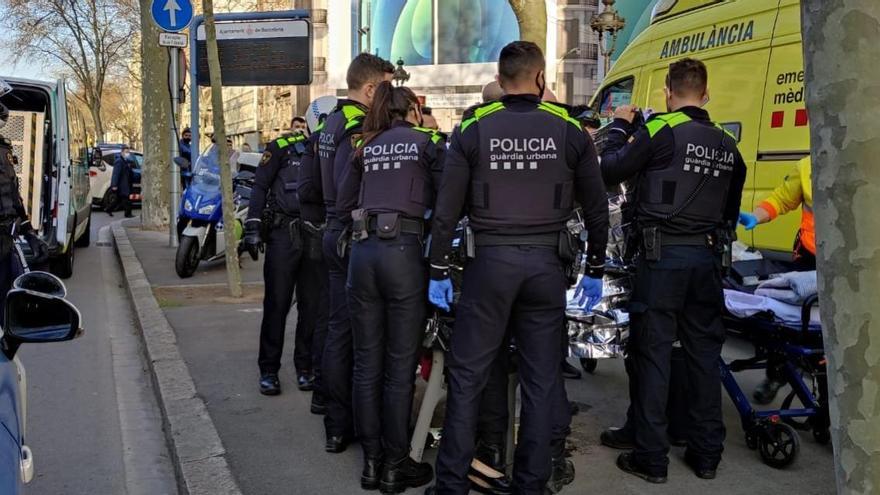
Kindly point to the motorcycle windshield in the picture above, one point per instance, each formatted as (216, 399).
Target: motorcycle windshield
(206, 174)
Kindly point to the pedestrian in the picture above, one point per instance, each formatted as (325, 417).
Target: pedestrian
(300, 126)
(185, 144)
(689, 179)
(13, 217)
(515, 148)
(319, 178)
(428, 119)
(387, 194)
(794, 192)
(120, 182)
(274, 201)
(246, 148)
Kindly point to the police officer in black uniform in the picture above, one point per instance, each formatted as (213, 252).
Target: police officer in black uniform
(13, 218)
(319, 178)
(689, 177)
(520, 163)
(274, 201)
(392, 182)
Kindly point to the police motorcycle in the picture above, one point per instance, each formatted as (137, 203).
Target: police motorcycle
(200, 224)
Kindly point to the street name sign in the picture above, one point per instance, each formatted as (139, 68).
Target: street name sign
(173, 40)
(259, 53)
(172, 15)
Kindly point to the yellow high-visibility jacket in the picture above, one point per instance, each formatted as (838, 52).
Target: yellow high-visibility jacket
(796, 190)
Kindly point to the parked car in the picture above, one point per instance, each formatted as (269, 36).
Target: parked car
(50, 137)
(36, 311)
(100, 173)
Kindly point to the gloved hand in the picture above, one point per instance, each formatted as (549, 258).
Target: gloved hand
(748, 220)
(253, 243)
(588, 292)
(38, 247)
(440, 293)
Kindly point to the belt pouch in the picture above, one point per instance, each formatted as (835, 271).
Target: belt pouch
(388, 225)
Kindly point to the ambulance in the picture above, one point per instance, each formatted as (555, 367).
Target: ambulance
(753, 51)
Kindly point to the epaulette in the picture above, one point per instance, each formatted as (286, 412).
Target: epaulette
(559, 111)
(285, 141)
(353, 115)
(481, 111)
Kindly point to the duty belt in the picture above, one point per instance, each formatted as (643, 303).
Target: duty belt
(704, 240)
(484, 239)
(282, 218)
(407, 226)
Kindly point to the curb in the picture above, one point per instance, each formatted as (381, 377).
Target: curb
(198, 454)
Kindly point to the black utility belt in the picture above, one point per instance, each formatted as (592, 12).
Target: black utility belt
(283, 219)
(550, 240)
(393, 223)
(653, 242)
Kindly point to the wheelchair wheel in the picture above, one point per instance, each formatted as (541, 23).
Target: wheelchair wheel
(801, 423)
(589, 365)
(778, 445)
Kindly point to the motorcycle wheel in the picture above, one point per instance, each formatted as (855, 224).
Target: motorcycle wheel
(187, 259)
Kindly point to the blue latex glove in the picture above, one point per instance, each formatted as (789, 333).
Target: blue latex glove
(748, 220)
(588, 292)
(440, 293)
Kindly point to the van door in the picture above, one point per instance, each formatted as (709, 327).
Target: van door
(61, 209)
(785, 130)
(737, 71)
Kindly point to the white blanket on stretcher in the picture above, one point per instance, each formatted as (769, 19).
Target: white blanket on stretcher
(745, 305)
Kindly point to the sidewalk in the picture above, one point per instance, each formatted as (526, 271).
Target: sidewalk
(275, 446)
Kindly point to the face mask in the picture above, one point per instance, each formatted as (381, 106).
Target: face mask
(187, 140)
(126, 155)
(541, 83)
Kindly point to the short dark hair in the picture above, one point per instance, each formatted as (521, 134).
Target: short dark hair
(185, 130)
(687, 77)
(520, 59)
(367, 68)
(297, 119)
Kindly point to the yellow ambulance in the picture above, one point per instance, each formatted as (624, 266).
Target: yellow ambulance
(753, 51)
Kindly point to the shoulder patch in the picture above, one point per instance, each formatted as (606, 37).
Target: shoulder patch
(267, 155)
(356, 140)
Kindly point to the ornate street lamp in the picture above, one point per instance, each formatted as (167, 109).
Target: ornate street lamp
(610, 22)
(400, 76)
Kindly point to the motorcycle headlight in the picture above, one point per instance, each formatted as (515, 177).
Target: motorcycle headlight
(207, 209)
(187, 205)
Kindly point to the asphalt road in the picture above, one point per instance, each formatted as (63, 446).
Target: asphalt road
(93, 422)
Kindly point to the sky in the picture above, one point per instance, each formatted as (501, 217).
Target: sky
(26, 69)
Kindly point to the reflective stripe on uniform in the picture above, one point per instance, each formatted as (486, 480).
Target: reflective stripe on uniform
(352, 115)
(671, 119)
(559, 112)
(481, 112)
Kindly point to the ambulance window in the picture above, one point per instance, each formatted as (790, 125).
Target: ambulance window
(615, 95)
(734, 128)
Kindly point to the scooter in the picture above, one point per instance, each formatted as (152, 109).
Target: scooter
(200, 226)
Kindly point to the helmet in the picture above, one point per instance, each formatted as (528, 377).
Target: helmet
(5, 88)
(320, 107)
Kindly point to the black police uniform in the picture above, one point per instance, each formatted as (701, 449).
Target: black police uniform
(393, 181)
(319, 179)
(285, 269)
(689, 178)
(520, 163)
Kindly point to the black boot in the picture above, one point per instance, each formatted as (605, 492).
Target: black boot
(372, 473)
(491, 455)
(336, 444)
(766, 391)
(618, 438)
(627, 463)
(704, 469)
(405, 473)
(562, 474)
(269, 384)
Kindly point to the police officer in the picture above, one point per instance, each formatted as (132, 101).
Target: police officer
(520, 163)
(319, 178)
(274, 201)
(13, 218)
(689, 177)
(392, 182)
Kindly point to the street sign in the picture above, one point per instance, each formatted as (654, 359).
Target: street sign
(172, 15)
(259, 53)
(173, 40)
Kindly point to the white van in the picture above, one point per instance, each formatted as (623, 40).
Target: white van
(49, 139)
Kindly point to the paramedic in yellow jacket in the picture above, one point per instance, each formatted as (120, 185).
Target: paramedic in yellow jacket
(795, 190)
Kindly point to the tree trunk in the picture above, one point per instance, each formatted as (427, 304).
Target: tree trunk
(232, 271)
(156, 117)
(532, 18)
(95, 109)
(842, 59)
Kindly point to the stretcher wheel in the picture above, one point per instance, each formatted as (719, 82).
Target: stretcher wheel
(778, 444)
(800, 424)
(589, 365)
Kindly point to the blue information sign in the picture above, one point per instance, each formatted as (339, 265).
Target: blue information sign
(172, 15)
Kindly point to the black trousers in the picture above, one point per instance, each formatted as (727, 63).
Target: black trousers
(120, 200)
(493, 416)
(678, 296)
(524, 287)
(312, 306)
(282, 271)
(387, 283)
(336, 363)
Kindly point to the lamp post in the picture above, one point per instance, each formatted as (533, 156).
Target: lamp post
(400, 76)
(610, 22)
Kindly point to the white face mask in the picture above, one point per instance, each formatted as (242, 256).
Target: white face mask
(126, 154)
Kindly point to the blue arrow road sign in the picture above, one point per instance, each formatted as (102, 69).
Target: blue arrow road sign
(172, 15)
